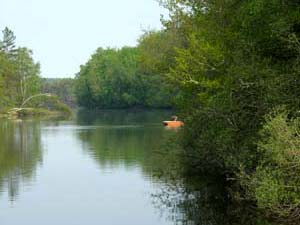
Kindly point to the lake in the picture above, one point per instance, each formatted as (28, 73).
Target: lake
(100, 168)
(95, 169)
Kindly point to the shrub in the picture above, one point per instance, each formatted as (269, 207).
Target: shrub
(275, 184)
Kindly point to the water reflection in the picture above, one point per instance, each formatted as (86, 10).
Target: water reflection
(123, 117)
(135, 140)
(202, 200)
(20, 153)
(110, 167)
(205, 203)
(123, 138)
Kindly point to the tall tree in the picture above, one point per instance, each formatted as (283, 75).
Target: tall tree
(27, 74)
(7, 81)
(7, 45)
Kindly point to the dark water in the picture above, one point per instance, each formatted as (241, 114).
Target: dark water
(100, 168)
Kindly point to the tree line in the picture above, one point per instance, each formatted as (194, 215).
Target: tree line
(232, 68)
(126, 77)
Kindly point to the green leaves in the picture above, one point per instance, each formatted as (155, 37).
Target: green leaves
(127, 77)
(108, 80)
(27, 74)
(237, 61)
(275, 184)
(19, 74)
(7, 45)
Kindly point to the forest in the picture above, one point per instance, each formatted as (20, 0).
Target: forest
(231, 69)
(121, 78)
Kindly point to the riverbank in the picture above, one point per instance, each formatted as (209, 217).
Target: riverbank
(19, 113)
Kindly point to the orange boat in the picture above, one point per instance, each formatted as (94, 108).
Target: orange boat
(173, 123)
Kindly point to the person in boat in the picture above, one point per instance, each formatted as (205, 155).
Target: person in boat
(174, 122)
(174, 118)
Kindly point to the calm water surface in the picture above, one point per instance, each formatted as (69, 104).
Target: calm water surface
(104, 168)
(96, 169)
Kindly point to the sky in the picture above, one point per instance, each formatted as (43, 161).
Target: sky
(64, 33)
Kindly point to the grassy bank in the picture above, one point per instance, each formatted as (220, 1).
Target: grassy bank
(19, 113)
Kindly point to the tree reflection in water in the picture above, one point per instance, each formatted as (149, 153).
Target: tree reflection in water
(20, 153)
(138, 140)
(202, 200)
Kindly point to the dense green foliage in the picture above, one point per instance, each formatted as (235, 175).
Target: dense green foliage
(122, 78)
(237, 62)
(108, 79)
(19, 74)
(275, 184)
(20, 81)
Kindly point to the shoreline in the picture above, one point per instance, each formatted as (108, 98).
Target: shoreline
(23, 113)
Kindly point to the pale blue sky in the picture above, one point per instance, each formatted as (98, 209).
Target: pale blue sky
(64, 33)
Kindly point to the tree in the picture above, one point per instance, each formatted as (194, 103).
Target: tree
(7, 81)
(7, 45)
(157, 50)
(27, 74)
(112, 79)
